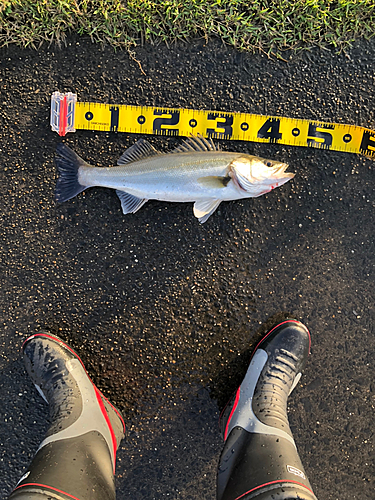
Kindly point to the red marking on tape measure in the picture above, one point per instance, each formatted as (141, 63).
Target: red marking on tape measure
(63, 117)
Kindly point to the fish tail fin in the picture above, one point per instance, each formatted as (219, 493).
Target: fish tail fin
(68, 164)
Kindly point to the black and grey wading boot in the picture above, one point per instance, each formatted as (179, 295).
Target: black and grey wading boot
(76, 460)
(260, 460)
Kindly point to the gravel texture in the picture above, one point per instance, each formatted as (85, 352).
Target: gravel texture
(164, 311)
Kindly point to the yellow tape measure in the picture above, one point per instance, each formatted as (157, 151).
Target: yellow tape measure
(67, 115)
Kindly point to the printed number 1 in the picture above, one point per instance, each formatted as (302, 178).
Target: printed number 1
(115, 112)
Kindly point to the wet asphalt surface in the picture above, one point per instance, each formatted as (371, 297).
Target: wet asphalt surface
(164, 311)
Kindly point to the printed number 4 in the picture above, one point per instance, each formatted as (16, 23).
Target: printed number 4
(270, 130)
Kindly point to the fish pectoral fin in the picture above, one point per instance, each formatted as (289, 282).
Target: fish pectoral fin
(214, 181)
(140, 150)
(204, 208)
(129, 203)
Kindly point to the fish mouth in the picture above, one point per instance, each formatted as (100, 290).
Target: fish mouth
(280, 175)
(262, 178)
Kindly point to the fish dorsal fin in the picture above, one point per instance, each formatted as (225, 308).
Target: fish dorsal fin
(196, 143)
(139, 151)
(204, 208)
(130, 203)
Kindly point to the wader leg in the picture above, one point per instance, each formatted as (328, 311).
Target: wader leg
(76, 459)
(260, 459)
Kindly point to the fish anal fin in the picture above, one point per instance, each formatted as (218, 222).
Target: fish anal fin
(214, 181)
(196, 143)
(130, 203)
(139, 151)
(204, 208)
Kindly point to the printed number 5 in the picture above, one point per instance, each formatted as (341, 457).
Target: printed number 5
(317, 134)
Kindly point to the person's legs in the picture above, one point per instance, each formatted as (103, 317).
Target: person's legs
(76, 460)
(260, 459)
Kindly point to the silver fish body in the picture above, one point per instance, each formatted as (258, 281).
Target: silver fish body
(194, 172)
(178, 177)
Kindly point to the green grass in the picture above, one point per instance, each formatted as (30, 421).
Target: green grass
(266, 25)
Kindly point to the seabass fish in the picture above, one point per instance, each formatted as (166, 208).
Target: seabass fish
(197, 171)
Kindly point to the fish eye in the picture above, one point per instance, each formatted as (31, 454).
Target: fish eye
(269, 163)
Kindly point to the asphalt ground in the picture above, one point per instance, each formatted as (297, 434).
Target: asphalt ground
(164, 311)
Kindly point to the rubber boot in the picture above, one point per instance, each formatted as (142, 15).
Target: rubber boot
(76, 460)
(260, 459)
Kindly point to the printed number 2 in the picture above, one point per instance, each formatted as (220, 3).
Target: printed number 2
(172, 119)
